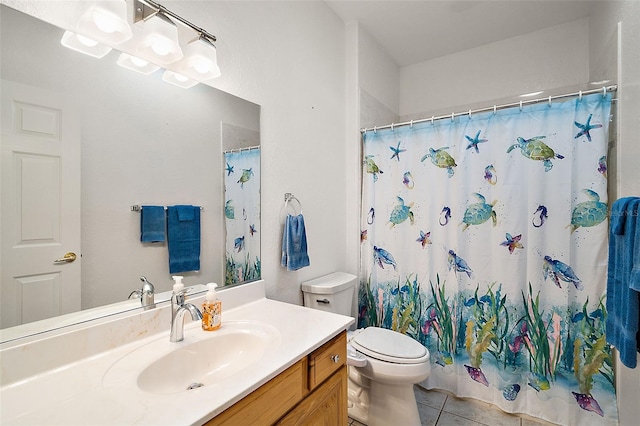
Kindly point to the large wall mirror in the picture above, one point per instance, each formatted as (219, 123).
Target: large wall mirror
(139, 141)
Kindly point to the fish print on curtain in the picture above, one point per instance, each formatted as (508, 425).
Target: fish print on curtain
(242, 215)
(485, 239)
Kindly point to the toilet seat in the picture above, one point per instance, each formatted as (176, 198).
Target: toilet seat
(390, 346)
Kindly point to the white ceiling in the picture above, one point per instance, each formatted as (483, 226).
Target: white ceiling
(419, 30)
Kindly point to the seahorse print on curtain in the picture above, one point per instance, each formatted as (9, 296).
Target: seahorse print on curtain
(485, 239)
(242, 215)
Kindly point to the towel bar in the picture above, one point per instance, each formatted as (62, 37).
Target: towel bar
(137, 208)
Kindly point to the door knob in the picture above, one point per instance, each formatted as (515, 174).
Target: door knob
(67, 258)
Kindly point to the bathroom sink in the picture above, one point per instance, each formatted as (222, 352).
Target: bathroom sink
(202, 359)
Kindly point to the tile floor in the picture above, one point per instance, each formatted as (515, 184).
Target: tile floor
(443, 409)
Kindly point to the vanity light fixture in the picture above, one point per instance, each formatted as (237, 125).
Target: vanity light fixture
(106, 22)
(136, 64)
(200, 60)
(160, 43)
(83, 44)
(178, 79)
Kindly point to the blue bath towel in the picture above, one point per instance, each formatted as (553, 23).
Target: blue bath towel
(294, 243)
(623, 281)
(183, 229)
(152, 224)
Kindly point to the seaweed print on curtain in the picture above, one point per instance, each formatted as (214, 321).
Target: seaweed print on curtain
(242, 215)
(484, 238)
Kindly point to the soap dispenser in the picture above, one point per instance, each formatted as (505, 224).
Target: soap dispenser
(178, 286)
(211, 309)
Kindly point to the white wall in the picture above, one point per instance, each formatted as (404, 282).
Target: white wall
(289, 57)
(550, 58)
(614, 48)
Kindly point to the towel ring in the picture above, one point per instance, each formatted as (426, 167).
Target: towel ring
(290, 197)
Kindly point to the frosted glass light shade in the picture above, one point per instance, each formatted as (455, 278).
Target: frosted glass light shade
(83, 44)
(105, 22)
(160, 43)
(178, 79)
(136, 64)
(200, 60)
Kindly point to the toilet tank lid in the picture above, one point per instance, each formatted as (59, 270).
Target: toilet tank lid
(330, 284)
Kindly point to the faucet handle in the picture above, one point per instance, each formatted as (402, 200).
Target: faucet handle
(135, 294)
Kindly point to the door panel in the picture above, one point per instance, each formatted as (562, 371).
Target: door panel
(40, 205)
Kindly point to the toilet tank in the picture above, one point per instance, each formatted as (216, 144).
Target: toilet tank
(331, 293)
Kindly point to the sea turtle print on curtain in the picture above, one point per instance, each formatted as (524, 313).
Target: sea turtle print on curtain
(242, 215)
(484, 238)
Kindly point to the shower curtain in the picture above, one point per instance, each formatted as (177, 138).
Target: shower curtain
(242, 215)
(484, 237)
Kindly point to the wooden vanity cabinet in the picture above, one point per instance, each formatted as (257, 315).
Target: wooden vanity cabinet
(313, 391)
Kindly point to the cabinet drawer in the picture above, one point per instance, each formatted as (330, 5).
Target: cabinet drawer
(323, 362)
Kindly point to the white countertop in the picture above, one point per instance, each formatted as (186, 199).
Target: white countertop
(76, 393)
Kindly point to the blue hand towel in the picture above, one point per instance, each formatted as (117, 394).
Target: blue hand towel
(623, 299)
(152, 224)
(294, 243)
(183, 229)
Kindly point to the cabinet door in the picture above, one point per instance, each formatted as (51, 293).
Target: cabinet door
(267, 404)
(326, 405)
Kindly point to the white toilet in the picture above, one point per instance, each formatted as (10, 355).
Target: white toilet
(383, 364)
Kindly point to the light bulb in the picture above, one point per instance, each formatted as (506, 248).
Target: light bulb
(86, 40)
(160, 45)
(200, 64)
(139, 62)
(180, 77)
(105, 21)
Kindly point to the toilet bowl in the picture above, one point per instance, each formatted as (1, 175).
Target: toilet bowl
(383, 364)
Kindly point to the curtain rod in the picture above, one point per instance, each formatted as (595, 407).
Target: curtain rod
(494, 108)
(229, 151)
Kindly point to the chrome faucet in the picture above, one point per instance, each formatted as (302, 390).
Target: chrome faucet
(178, 311)
(146, 294)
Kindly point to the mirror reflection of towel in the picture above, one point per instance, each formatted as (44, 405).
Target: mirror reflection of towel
(152, 224)
(294, 243)
(183, 229)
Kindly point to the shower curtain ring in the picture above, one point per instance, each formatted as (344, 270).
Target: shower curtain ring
(604, 91)
(580, 96)
(411, 124)
(469, 113)
(453, 114)
(495, 109)
(432, 117)
(392, 127)
(549, 101)
(520, 105)
(375, 130)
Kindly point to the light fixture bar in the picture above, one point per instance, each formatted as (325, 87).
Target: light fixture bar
(144, 9)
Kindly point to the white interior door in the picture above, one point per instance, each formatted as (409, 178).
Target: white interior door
(40, 205)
